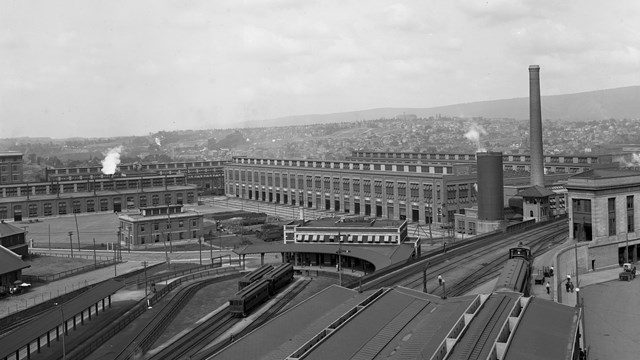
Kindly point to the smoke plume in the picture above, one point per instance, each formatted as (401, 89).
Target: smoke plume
(634, 162)
(158, 142)
(111, 161)
(474, 135)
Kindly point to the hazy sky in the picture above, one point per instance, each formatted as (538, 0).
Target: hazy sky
(123, 67)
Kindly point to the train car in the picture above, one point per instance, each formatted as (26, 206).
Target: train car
(517, 271)
(248, 298)
(279, 277)
(253, 276)
(520, 252)
(514, 277)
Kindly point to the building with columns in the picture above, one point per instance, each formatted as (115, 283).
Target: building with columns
(604, 208)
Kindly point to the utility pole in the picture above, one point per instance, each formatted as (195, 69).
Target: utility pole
(71, 243)
(575, 248)
(626, 250)
(444, 289)
(115, 261)
(424, 278)
(77, 230)
(95, 262)
(169, 229)
(49, 237)
(200, 242)
(210, 249)
(144, 263)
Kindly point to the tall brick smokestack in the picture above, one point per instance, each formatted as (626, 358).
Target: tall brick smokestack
(535, 127)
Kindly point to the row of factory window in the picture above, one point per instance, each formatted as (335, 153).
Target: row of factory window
(441, 169)
(90, 205)
(470, 157)
(88, 186)
(326, 183)
(135, 167)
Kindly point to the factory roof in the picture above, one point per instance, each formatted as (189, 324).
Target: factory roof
(536, 191)
(606, 173)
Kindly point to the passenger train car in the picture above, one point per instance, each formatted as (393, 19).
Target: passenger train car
(253, 276)
(517, 271)
(258, 291)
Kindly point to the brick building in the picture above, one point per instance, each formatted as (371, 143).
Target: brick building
(154, 225)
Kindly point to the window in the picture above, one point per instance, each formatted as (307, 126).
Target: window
(91, 205)
(33, 210)
(194, 222)
(156, 226)
(48, 209)
(104, 204)
(630, 221)
(611, 205)
(180, 223)
(62, 208)
(141, 227)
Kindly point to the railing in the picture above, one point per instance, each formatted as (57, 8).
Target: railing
(67, 273)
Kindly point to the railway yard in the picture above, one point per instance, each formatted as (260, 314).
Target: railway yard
(185, 313)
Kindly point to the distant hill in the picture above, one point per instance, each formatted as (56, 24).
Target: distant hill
(616, 103)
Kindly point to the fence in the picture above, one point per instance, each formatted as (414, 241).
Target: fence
(67, 273)
(76, 254)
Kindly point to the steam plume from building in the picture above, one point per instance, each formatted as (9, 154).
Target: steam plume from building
(474, 135)
(111, 161)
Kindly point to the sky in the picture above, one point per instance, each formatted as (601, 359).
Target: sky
(121, 67)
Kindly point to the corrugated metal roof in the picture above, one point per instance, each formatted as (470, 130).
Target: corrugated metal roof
(281, 336)
(547, 330)
(477, 341)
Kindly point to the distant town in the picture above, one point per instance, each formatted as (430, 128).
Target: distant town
(333, 141)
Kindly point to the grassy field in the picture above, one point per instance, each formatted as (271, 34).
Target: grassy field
(48, 265)
(103, 227)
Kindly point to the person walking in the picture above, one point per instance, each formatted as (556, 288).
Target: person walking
(548, 288)
(440, 280)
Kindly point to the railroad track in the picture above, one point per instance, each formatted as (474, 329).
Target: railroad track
(196, 344)
(190, 344)
(156, 327)
(445, 263)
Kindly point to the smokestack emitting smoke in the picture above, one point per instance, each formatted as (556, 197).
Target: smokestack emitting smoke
(535, 127)
(474, 135)
(111, 161)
